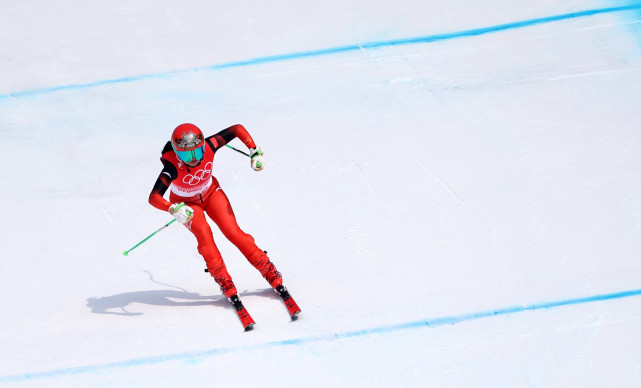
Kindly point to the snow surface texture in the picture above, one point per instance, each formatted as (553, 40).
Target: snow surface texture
(452, 190)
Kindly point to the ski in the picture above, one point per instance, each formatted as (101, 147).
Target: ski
(245, 319)
(291, 305)
(248, 322)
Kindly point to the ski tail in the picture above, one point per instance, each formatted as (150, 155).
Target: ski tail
(245, 319)
(290, 303)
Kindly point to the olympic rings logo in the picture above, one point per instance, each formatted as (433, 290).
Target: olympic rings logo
(198, 176)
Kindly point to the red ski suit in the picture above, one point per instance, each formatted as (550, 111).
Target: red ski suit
(198, 188)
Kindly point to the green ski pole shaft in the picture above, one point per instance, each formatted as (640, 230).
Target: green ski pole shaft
(148, 237)
(159, 229)
(237, 150)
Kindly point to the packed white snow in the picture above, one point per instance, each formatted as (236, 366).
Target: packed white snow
(451, 191)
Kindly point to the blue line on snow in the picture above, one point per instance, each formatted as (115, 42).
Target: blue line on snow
(422, 323)
(335, 50)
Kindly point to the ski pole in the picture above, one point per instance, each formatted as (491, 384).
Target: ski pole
(151, 235)
(237, 150)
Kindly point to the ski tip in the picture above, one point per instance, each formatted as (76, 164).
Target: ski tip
(249, 327)
(295, 315)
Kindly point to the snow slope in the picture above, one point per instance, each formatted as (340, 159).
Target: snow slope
(451, 191)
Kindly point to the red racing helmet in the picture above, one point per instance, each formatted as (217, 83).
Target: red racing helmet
(188, 143)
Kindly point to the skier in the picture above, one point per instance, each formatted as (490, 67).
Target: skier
(187, 172)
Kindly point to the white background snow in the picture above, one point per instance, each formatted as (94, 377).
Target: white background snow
(458, 213)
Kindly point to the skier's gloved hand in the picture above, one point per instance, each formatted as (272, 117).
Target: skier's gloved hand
(258, 158)
(181, 212)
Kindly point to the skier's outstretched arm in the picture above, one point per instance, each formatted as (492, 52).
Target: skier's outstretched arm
(228, 134)
(156, 197)
(238, 131)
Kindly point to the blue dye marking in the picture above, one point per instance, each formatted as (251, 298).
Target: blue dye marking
(334, 50)
(380, 330)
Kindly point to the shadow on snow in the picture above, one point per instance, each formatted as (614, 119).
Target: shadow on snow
(117, 304)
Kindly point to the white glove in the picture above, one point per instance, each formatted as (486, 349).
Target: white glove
(181, 212)
(258, 158)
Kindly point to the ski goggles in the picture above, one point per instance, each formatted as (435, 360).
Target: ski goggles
(191, 156)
